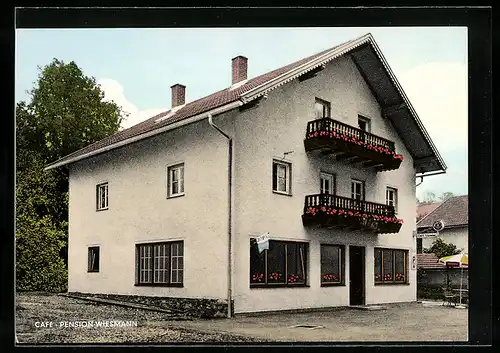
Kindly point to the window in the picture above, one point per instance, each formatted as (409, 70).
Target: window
(332, 265)
(102, 196)
(419, 245)
(322, 108)
(175, 180)
(282, 177)
(364, 123)
(93, 261)
(357, 190)
(391, 198)
(391, 266)
(327, 183)
(160, 263)
(283, 264)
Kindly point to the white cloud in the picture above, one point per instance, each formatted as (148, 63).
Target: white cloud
(113, 91)
(438, 92)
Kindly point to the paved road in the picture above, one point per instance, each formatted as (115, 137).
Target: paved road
(404, 322)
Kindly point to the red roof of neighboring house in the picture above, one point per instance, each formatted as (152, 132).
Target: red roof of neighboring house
(429, 261)
(454, 212)
(426, 208)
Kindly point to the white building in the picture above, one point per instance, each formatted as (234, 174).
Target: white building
(149, 209)
(454, 215)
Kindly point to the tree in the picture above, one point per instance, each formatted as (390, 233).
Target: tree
(442, 249)
(445, 196)
(430, 197)
(66, 112)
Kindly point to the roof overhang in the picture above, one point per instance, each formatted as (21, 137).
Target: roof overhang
(379, 77)
(386, 89)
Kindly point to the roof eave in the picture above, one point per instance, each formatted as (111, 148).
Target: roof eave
(301, 69)
(414, 114)
(337, 52)
(219, 110)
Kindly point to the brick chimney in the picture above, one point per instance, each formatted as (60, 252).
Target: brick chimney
(178, 95)
(240, 65)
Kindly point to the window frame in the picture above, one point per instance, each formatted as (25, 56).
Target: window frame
(342, 265)
(288, 177)
(333, 185)
(363, 189)
(180, 167)
(393, 281)
(327, 108)
(395, 194)
(91, 250)
(152, 267)
(286, 282)
(103, 185)
(367, 122)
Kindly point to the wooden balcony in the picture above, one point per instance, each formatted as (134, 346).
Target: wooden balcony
(351, 144)
(333, 211)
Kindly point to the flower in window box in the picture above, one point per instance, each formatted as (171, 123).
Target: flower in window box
(275, 276)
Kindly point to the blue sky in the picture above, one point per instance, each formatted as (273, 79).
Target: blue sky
(136, 68)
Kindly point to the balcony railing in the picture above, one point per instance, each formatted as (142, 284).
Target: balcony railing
(350, 214)
(351, 144)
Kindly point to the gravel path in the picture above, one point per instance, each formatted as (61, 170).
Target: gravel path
(36, 309)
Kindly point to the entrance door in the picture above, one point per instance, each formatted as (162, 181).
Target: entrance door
(356, 275)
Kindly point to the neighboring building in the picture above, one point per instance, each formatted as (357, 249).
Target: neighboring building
(429, 262)
(453, 213)
(426, 208)
(323, 155)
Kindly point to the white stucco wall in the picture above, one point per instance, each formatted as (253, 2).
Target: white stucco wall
(278, 125)
(457, 236)
(139, 211)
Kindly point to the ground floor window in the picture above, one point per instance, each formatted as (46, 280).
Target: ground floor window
(332, 265)
(93, 259)
(160, 263)
(391, 266)
(284, 263)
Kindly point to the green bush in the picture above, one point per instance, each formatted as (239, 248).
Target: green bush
(39, 266)
(430, 293)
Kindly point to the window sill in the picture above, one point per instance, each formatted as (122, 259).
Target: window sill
(179, 285)
(278, 285)
(102, 209)
(332, 284)
(393, 284)
(174, 196)
(92, 271)
(282, 193)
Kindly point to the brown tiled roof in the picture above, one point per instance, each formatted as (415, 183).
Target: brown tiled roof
(429, 261)
(196, 107)
(454, 212)
(424, 209)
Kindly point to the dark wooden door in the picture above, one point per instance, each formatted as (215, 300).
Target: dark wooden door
(356, 275)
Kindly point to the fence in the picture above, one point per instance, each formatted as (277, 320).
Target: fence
(430, 282)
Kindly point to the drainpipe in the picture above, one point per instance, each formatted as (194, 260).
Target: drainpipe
(230, 209)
